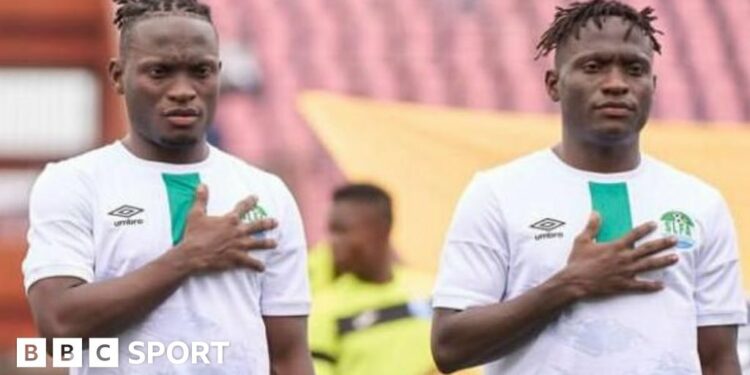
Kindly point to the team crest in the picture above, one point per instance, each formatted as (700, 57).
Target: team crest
(681, 226)
(257, 213)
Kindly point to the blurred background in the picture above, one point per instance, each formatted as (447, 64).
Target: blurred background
(471, 61)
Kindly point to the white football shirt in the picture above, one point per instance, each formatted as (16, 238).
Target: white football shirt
(106, 213)
(514, 228)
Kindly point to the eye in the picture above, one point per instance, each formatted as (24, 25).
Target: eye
(636, 69)
(157, 71)
(203, 71)
(591, 67)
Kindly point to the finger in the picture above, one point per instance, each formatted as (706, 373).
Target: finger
(200, 200)
(592, 227)
(258, 226)
(251, 243)
(628, 240)
(643, 286)
(244, 206)
(243, 259)
(654, 263)
(653, 247)
(219, 265)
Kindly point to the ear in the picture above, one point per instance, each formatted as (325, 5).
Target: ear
(551, 82)
(655, 80)
(115, 70)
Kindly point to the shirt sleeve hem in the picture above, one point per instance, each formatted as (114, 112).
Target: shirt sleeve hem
(458, 303)
(286, 309)
(722, 318)
(57, 270)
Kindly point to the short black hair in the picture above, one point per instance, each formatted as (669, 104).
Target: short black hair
(569, 21)
(366, 193)
(129, 12)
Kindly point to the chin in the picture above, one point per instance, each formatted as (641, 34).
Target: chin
(614, 129)
(613, 137)
(180, 141)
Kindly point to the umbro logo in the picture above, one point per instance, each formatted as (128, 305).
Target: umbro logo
(126, 212)
(547, 225)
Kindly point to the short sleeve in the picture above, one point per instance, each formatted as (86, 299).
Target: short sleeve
(474, 261)
(718, 294)
(60, 232)
(285, 286)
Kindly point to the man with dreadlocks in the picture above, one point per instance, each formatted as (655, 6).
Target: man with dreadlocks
(533, 282)
(162, 237)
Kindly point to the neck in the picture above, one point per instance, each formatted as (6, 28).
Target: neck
(177, 155)
(381, 271)
(599, 158)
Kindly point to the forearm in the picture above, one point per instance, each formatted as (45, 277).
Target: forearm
(725, 365)
(479, 335)
(301, 365)
(722, 369)
(717, 350)
(287, 345)
(108, 307)
(723, 361)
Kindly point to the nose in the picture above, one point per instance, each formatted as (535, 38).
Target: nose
(182, 90)
(615, 83)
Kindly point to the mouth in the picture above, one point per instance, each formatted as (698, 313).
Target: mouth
(615, 109)
(182, 117)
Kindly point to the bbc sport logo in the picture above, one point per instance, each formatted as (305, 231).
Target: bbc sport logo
(105, 353)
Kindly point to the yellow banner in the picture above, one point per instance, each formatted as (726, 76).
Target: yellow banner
(425, 156)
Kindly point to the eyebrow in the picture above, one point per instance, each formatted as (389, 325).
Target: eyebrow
(171, 60)
(609, 56)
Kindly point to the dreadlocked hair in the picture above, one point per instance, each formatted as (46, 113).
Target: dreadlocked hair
(131, 11)
(569, 21)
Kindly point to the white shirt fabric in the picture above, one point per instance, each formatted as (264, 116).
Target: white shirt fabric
(514, 228)
(106, 213)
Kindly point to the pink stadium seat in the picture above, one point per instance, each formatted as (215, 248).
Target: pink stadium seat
(372, 49)
(704, 44)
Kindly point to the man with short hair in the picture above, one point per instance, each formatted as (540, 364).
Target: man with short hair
(161, 237)
(373, 317)
(533, 283)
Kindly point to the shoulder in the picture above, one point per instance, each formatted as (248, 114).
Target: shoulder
(69, 186)
(518, 170)
(251, 173)
(88, 161)
(695, 197)
(521, 165)
(511, 176)
(243, 167)
(76, 173)
(267, 186)
(678, 180)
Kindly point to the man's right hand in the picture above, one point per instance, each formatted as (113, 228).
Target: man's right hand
(216, 243)
(71, 307)
(603, 269)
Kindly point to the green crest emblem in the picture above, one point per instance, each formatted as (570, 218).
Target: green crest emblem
(680, 225)
(257, 213)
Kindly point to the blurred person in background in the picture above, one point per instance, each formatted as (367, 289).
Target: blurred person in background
(532, 282)
(373, 318)
(162, 237)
